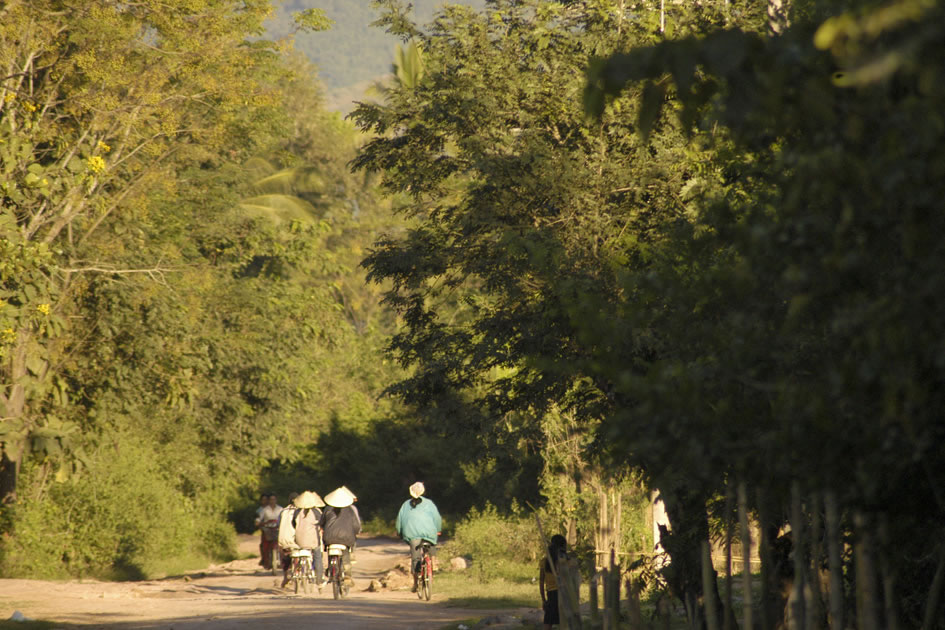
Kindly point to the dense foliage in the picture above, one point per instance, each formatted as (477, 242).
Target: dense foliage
(179, 236)
(728, 277)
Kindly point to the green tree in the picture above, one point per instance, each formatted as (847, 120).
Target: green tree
(820, 350)
(529, 223)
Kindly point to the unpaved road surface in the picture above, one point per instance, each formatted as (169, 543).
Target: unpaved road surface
(238, 594)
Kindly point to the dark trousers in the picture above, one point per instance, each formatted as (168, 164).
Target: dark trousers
(416, 552)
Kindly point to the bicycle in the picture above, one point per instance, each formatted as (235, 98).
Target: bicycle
(301, 571)
(336, 571)
(424, 571)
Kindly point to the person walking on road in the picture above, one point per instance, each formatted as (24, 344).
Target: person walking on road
(263, 502)
(418, 521)
(268, 522)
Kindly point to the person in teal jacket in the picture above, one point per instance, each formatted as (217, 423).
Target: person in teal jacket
(418, 521)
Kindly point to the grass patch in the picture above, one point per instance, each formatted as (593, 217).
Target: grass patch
(465, 590)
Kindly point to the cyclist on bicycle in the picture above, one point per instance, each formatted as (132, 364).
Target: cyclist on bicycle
(341, 524)
(418, 521)
(307, 534)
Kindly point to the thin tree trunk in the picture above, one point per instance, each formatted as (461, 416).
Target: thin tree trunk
(815, 609)
(612, 594)
(708, 575)
(798, 605)
(935, 592)
(633, 600)
(746, 553)
(834, 559)
(888, 573)
(729, 620)
(764, 553)
(867, 617)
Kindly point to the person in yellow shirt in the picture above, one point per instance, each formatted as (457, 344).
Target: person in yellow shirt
(548, 580)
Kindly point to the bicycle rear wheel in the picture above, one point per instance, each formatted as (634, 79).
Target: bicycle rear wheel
(427, 580)
(336, 577)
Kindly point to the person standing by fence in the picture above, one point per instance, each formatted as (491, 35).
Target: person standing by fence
(548, 580)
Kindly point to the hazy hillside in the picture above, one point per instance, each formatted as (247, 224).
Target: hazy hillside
(352, 52)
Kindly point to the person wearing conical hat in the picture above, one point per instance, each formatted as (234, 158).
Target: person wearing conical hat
(307, 534)
(418, 521)
(341, 523)
(286, 538)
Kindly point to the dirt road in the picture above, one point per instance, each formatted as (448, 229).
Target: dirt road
(233, 595)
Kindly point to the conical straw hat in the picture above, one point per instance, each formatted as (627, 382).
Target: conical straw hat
(308, 499)
(340, 497)
(417, 490)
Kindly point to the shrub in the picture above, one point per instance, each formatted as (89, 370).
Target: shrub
(498, 544)
(124, 517)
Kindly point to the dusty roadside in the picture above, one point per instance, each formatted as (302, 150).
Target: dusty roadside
(233, 595)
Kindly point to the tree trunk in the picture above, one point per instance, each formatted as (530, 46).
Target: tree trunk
(746, 552)
(834, 559)
(866, 592)
(815, 605)
(687, 516)
(708, 575)
(729, 620)
(798, 533)
(935, 592)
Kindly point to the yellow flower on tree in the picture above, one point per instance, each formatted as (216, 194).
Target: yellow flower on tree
(101, 146)
(43, 308)
(96, 164)
(9, 335)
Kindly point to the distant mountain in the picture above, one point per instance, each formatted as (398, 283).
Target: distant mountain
(352, 52)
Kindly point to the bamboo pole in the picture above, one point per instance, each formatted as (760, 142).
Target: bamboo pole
(834, 559)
